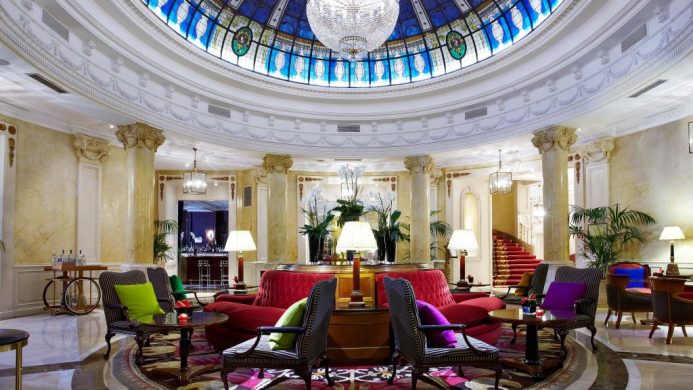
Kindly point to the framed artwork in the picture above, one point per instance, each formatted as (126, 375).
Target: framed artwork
(690, 137)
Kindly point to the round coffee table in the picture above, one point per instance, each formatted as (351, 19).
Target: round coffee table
(170, 322)
(532, 363)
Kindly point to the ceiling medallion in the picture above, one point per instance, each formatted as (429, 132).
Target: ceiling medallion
(241, 41)
(352, 27)
(456, 45)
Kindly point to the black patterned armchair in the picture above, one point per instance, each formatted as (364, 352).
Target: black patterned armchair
(117, 318)
(311, 343)
(410, 339)
(162, 288)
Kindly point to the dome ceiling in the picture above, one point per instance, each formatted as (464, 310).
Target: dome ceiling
(431, 38)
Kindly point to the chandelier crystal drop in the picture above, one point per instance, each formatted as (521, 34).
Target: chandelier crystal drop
(500, 182)
(352, 27)
(194, 182)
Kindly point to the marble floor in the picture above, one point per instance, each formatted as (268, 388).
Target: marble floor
(626, 358)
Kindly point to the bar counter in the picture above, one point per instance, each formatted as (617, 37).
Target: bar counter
(188, 269)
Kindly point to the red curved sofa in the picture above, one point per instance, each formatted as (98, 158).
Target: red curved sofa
(277, 291)
(470, 309)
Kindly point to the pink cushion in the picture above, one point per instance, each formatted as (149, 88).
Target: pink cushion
(562, 295)
(429, 286)
(429, 315)
(282, 288)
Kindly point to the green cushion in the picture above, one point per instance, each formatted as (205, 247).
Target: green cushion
(293, 316)
(140, 300)
(177, 287)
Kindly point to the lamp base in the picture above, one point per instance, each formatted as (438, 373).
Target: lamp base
(672, 269)
(462, 284)
(239, 285)
(357, 299)
(357, 304)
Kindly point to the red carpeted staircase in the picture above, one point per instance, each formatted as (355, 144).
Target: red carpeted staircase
(510, 260)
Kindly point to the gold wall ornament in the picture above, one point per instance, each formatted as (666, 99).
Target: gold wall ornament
(140, 134)
(162, 180)
(90, 148)
(419, 164)
(558, 136)
(274, 163)
(454, 175)
(11, 142)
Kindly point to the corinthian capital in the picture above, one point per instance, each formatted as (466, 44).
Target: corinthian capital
(274, 163)
(140, 134)
(555, 136)
(419, 164)
(90, 148)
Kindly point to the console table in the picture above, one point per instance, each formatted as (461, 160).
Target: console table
(359, 336)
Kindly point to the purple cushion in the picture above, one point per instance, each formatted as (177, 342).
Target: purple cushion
(563, 295)
(636, 276)
(429, 315)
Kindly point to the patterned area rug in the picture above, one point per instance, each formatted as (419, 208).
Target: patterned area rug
(122, 373)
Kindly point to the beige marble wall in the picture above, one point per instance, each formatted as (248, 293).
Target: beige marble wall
(504, 211)
(246, 217)
(651, 172)
(113, 206)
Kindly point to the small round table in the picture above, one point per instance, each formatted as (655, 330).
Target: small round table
(532, 363)
(14, 339)
(170, 322)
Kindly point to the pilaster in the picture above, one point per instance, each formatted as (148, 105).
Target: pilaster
(420, 168)
(277, 206)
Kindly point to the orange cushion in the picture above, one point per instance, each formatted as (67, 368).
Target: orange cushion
(526, 279)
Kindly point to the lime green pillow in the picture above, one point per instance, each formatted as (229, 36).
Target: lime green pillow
(140, 300)
(293, 316)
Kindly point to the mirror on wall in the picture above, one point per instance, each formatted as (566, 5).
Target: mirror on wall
(203, 225)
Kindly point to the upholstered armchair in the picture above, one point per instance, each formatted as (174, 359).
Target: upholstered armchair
(162, 287)
(411, 343)
(585, 308)
(671, 305)
(117, 318)
(311, 343)
(620, 300)
(532, 283)
(536, 288)
(638, 274)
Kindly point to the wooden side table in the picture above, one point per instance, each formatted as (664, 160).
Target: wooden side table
(14, 339)
(359, 336)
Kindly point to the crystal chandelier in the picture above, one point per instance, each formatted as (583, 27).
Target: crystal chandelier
(500, 182)
(352, 27)
(195, 182)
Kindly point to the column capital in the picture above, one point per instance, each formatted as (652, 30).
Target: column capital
(275, 163)
(559, 136)
(90, 148)
(137, 134)
(419, 164)
(599, 150)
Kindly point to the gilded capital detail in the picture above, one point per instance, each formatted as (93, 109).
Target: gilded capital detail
(138, 134)
(274, 163)
(419, 164)
(89, 148)
(599, 150)
(559, 136)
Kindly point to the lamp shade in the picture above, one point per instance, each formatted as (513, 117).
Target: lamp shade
(672, 233)
(463, 239)
(356, 236)
(239, 241)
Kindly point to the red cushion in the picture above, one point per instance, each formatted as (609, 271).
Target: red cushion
(488, 332)
(459, 313)
(245, 299)
(459, 297)
(429, 286)
(282, 288)
(686, 295)
(246, 317)
(487, 303)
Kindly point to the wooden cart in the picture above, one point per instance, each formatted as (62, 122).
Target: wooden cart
(72, 289)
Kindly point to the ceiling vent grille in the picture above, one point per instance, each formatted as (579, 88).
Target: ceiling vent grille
(348, 159)
(635, 37)
(475, 113)
(46, 82)
(648, 88)
(348, 128)
(219, 111)
(53, 23)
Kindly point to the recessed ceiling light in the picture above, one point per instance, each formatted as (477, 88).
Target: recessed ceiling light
(578, 129)
(112, 127)
(4, 62)
(187, 165)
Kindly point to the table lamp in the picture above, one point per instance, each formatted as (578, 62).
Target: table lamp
(462, 241)
(672, 233)
(239, 241)
(356, 236)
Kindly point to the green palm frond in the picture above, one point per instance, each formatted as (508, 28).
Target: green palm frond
(162, 250)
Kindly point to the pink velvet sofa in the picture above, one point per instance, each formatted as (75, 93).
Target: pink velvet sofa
(470, 309)
(277, 291)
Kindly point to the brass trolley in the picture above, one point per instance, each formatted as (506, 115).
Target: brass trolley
(70, 291)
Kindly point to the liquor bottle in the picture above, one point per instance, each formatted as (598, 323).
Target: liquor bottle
(54, 258)
(61, 258)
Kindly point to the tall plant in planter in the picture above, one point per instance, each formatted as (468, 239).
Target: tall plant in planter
(350, 207)
(606, 231)
(163, 252)
(388, 232)
(317, 228)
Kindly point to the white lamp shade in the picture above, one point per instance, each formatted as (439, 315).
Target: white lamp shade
(672, 233)
(239, 241)
(463, 239)
(356, 236)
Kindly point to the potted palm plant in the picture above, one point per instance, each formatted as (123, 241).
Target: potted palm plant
(163, 252)
(606, 231)
(317, 228)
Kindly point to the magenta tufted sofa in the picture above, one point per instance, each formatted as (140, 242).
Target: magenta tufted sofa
(469, 309)
(277, 291)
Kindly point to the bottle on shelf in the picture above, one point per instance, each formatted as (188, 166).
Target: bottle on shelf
(82, 259)
(61, 258)
(54, 259)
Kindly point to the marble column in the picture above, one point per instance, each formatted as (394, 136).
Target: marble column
(277, 207)
(141, 142)
(420, 241)
(554, 145)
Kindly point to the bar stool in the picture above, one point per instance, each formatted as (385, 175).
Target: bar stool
(14, 339)
(224, 268)
(204, 272)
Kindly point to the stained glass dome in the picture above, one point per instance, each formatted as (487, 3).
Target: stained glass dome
(431, 38)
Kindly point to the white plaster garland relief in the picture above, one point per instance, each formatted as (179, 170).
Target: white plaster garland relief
(576, 90)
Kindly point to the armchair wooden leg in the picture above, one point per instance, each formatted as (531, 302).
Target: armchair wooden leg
(632, 315)
(305, 374)
(593, 330)
(499, 373)
(608, 315)
(655, 324)
(670, 333)
(395, 360)
(326, 364)
(514, 334)
(414, 379)
(618, 319)
(109, 335)
(139, 339)
(225, 370)
(683, 328)
(261, 374)
(460, 373)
